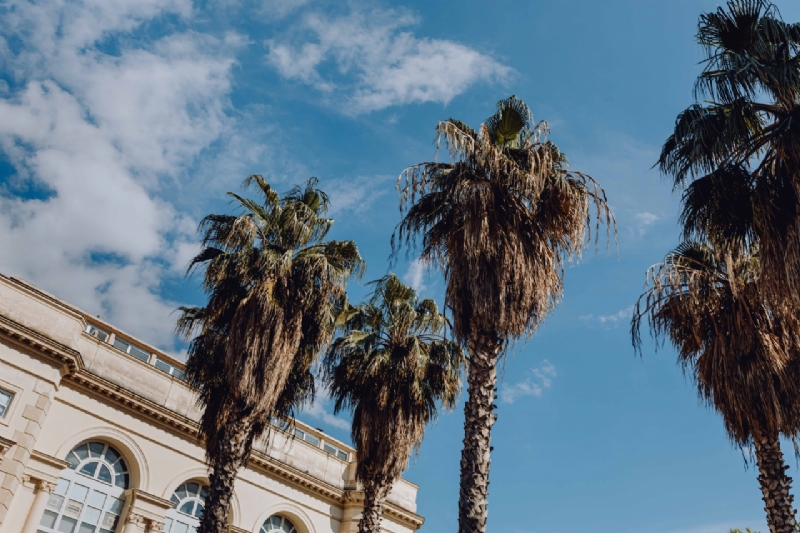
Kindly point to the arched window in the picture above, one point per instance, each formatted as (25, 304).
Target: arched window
(278, 524)
(100, 461)
(188, 502)
(89, 494)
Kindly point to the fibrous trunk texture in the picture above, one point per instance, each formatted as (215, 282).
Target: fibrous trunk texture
(230, 456)
(775, 484)
(375, 493)
(479, 418)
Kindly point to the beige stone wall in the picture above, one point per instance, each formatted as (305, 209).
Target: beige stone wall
(70, 388)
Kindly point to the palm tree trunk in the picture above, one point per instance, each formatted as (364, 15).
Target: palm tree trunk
(775, 484)
(479, 417)
(375, 493)
(231, 455)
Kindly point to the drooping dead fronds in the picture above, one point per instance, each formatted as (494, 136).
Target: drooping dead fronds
(501, 220)
(392, 366)
(274, 287)
(742, 353)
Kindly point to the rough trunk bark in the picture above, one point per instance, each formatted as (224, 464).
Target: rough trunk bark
(231, 455)
(775, 484)
(479, 417)
(375, 494)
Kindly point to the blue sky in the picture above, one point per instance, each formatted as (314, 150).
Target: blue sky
(123, 123)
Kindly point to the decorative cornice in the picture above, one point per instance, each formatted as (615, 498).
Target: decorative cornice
(151, 499)
(24, 336)
(355, 499)
(104, 388)
(75, 371)
(49, 460)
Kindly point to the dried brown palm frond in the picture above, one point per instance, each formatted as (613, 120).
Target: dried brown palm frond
(746, 126)
(391, 366)
(501, 220)
(743, 355)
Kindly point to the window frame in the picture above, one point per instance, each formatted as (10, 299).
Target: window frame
(16, 393)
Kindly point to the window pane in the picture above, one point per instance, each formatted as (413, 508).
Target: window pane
(82, 452)
(86, 528)
(166, 367)
(175, 500)
(122, 481)
(79, 492)
(109, 521)
(116, 506)
(89, 469)
(73, 461)
(119, 467)
(180, 527)
(97, 499)
(342, 455)
(192, 488)
(92, 516)
(311, 439)
(122, 345)
(49, 519)
(139, 354)
(55, 502)
(187, 508)
(96, 449)
(105, 474)
(167, 525)
(67, 525)
(203, 494)
(299, 433)
(111, 455)
(181, 492)
(61, 486)
(198, 511)
(5, 400)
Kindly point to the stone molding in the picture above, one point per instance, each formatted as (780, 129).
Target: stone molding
(73, 369)
(354, 499)
(5, 445)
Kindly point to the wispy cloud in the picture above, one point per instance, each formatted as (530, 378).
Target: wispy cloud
(371, 60)
(614, 320)
(356, 194)
(538, 379)
(415, 275)
(102, 134)
(318, 411)
(644, 221)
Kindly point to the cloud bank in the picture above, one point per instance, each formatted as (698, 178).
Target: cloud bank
(371, 61)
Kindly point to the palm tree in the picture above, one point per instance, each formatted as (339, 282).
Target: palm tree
(742, 355)
(391, 367)
(738, 153)
(274, 288)
(500, 219)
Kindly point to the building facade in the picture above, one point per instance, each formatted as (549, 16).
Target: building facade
(98, 434)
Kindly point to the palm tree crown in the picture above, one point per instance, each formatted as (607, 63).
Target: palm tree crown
(501, 220)
(738, 154)
(274, 288)
(391, 366)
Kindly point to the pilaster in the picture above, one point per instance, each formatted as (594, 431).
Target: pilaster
(145, 512)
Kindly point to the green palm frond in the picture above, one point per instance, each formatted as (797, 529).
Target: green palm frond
(391, 365)
(275, 292)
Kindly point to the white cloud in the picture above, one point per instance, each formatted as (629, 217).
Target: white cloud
(390, 65)
(644, 221)
(318, 411)
(614, 320)
(538, 379)
(415, 274)
(357, 194)
(106, 134)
